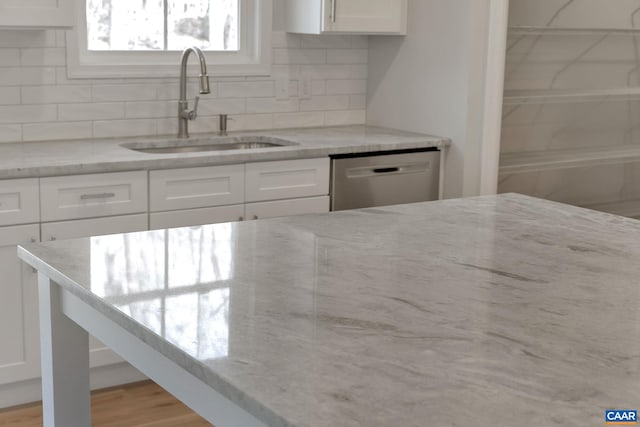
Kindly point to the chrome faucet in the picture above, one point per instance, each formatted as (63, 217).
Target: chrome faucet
(184, 114)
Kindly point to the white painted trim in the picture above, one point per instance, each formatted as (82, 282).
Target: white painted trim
(494, 86)
(200, 397)
(254, 57)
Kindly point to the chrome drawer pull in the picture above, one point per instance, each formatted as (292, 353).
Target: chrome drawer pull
(97, 196)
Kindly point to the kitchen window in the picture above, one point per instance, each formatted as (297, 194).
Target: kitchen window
(145, 38)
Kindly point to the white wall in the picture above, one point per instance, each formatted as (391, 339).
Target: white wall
(434, 81)
(39, 102)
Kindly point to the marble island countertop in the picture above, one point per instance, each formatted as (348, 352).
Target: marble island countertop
(32, 159)
(490, 311)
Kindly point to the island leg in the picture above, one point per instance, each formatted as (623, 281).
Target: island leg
(66, 400)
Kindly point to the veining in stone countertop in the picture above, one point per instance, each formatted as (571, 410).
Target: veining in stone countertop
(31, 159)
(490, 311)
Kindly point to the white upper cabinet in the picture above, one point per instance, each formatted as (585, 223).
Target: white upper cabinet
(347, 16)
(36, 13)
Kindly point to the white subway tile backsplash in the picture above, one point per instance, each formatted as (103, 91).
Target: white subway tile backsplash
(56, 131)
(271, 105)
(212, 107)
(358, 102)
(151, 109)
(346, 87)
(27, 38)
(338, 118)
(38, 101)
(91, 111)
(9, 95)
(325, 41)
(347, 56)
(9, 57)
(300, 56)
(43, 56)
(113, 128)
(27, 113)
(251, 122)
(10, 133)
(17, 76)
(126, 92)
(295, 120)
(324, 103)
(246, 89)
(55, 94)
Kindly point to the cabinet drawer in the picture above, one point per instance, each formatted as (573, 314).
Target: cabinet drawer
(19, 203)
(287, 207)
(193, 217)
(286, 179)
(95, 195)
(196, 187)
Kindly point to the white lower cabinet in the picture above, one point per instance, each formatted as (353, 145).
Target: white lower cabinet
(68, 207)
(277, 208)
(193, 217)
(100, 354)
(20, 350)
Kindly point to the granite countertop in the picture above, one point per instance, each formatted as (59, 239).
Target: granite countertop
(490, 311)
(32, 159)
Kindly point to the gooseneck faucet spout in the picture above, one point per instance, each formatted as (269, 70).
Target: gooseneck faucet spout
(184, 114)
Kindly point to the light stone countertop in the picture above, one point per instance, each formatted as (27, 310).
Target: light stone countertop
(51, 158)
(490, 311)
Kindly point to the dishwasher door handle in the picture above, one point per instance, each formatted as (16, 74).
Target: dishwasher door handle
(400, 169)
(386, 170)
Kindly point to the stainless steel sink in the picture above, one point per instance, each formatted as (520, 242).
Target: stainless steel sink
(218, 144)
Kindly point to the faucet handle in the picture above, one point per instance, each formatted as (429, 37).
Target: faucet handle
(194, 113)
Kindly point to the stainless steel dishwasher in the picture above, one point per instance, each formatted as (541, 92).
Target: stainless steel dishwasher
(384, 178)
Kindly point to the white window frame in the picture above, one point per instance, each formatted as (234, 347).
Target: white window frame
(253, 58)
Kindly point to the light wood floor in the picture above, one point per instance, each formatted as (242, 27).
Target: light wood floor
(137, 405)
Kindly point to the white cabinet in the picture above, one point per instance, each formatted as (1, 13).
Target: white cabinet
(36, 13)
(347, 16)
(20, 350)
(192, 217)
(286, 179)
(196, 196)
(91, 205)
(94, 195)
(19, 203)
(195, 187)
(277, 208)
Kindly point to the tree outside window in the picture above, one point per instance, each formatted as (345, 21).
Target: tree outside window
(164, 25)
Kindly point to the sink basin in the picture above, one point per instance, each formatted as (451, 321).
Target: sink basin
(204, 145)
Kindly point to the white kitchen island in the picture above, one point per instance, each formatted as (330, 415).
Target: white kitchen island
(491, 311)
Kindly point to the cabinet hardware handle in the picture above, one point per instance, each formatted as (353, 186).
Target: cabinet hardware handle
(53, 238)
(33, 240)
(97, 196)
(240, 218)
(333, 10)
(255, 217)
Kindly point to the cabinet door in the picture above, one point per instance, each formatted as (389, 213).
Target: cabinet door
(100, 354)
(277, 208)
(187, 188)
(366, 16)
(94, 195)
(19, 201)
(20, 350)
(287, 179)
(189, 217)
(36, 13)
